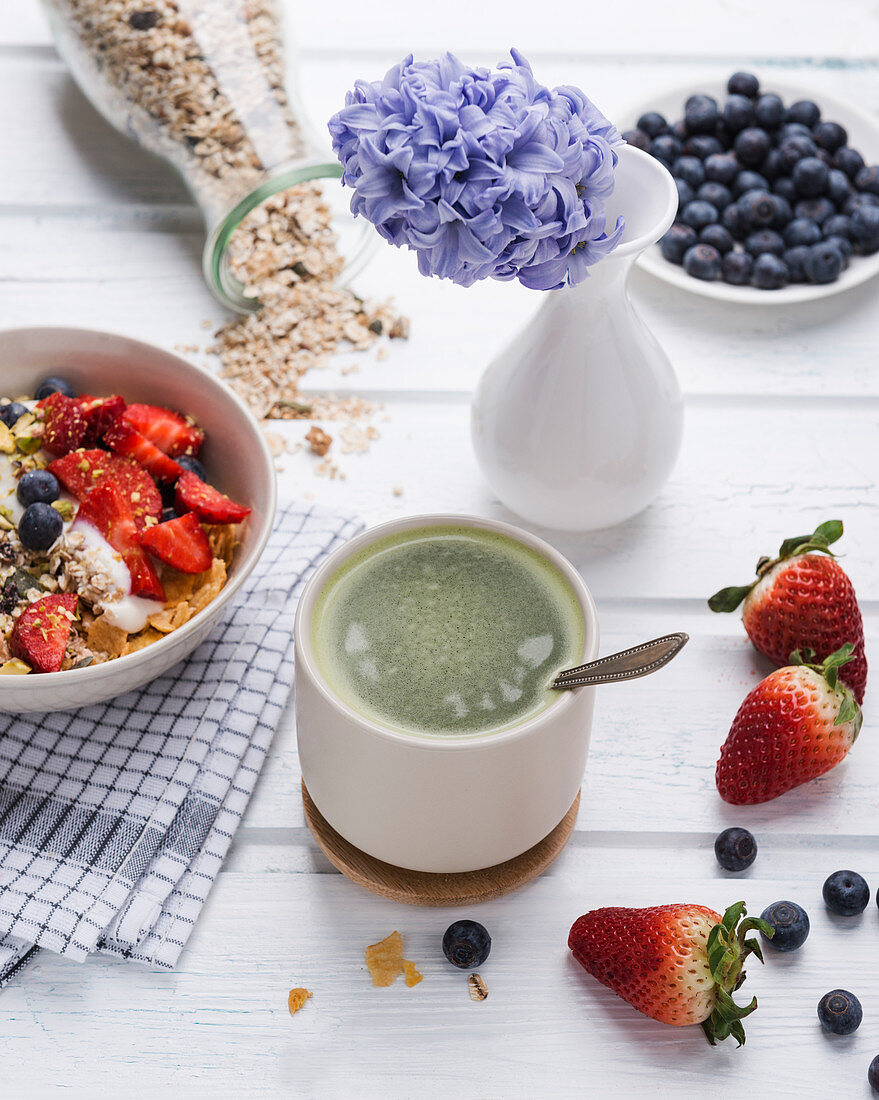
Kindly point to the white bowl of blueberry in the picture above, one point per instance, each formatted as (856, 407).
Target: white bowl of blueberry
(136, 494)
(778, 193)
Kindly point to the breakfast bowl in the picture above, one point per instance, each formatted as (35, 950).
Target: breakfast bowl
(436, 803)
(235, 455)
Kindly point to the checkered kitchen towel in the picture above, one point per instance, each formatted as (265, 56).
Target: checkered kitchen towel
(114, 819)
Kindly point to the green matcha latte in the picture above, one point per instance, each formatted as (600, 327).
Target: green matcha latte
(446, 631)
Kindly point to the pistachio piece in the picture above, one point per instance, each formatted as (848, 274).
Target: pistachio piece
(7, 440)
(65, 508)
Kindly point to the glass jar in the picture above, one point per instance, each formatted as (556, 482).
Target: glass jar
(204, 84)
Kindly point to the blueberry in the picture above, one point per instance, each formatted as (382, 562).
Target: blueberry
(840, 1012)
(748, 181)
(805, 112)
(793, 149)
(743, 84)
(665, 147)
(867, 179)
(54, 384)
(637, 138)
(679, 130)
(764, 241)
(838, 186)
(731, 221)
(11, 412)
(39, 527)
(784, 188)
(846, 893)
(773, 166)
(795, 258)
(717, 237)
(810, 177)
(466, 944)
(702, 146)
(790, 922)
(865, 229)
(792, 129)
(685, 193)
(698, 214)
(700, 114)
(751, 146)
(849, 161)
(652, 124)
(829, 135)
(801, 231)
(770, 272)
(838, 226)
(737, 268)
(818, 210)
(690, 170)
(824, 264)
(873, 1074)
(858, 202)
(756, 209)
(193, 465)
(719, 196)
(843, 245)
(37, 485)
(738, 112)
(721, 168)
(168, 514)
(702, 261)
(783, 212)
(735, 849)
(769, 111)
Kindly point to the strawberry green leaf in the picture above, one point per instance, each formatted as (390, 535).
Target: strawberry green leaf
(848, 710)
(728, 599)
(727, 949)
(831, 531)
(789, 546)
(733, 915)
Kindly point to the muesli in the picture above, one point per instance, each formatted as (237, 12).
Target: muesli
(111, 536)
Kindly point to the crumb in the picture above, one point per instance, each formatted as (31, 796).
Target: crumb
(385, 959)
(318, 440)
(478, 988)
(296, 998)
(413, 976)
(397, 490)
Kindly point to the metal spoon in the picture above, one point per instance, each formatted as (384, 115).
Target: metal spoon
(640, 660)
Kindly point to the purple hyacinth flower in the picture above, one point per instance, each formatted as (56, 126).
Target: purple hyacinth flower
(484, 174)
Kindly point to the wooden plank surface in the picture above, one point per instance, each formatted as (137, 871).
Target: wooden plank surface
(782, 431)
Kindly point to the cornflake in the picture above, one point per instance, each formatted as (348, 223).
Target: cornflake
(296, 998)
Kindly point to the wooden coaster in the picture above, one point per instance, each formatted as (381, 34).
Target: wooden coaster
(424, 888)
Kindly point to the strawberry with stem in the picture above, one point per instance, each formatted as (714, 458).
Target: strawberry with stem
(679, 964)
(802, 598)
(797, 724)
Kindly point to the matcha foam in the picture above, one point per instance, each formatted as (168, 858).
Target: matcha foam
(446, 631)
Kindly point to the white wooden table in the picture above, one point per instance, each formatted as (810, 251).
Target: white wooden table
(782, 432)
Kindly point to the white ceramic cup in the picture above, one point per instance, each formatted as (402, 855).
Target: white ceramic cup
(440, 804)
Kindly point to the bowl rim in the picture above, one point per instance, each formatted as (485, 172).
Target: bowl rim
(306, 662)
(112, 667)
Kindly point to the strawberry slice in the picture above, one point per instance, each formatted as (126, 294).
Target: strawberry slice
(64, 424)
(171, 432)
(122, 438)
(106, 508)
(179, 542)
(208, 503)
(40, 633)
(100, 413)
(80, 471)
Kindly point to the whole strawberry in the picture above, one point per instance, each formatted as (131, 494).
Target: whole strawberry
(795, 725)
(802, 599)
(678, 964)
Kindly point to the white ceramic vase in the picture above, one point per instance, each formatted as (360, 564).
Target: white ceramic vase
(577, 423)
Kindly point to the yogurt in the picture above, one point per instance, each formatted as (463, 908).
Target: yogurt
(126, 612)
